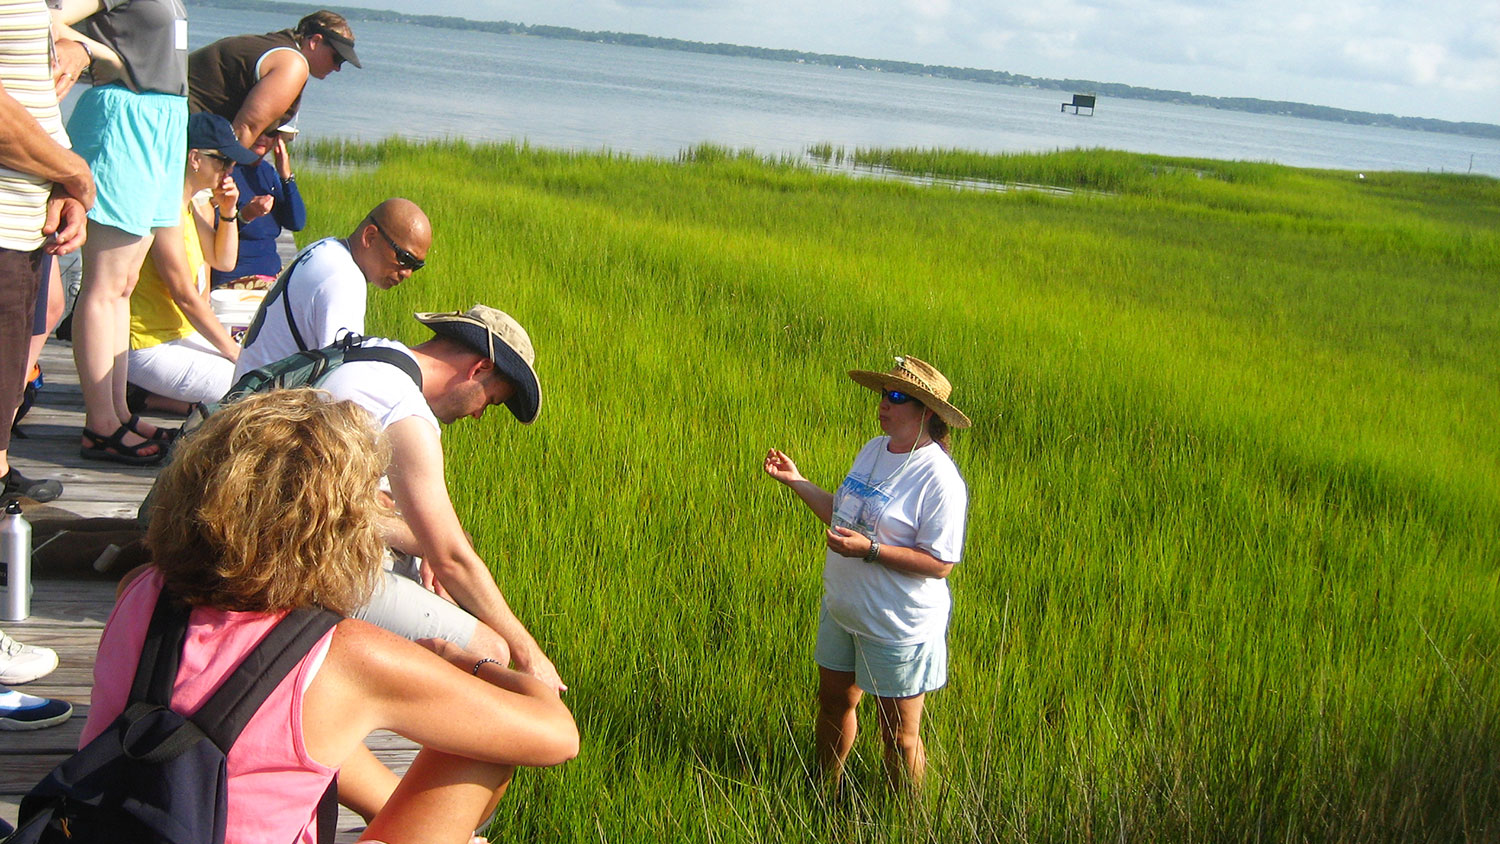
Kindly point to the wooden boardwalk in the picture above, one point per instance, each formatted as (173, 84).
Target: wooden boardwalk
(71, 604)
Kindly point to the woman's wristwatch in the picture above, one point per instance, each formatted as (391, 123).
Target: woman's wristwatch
(874, 553)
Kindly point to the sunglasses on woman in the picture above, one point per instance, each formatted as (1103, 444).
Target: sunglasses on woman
(897, 397)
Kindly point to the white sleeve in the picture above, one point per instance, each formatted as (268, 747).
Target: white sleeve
(942, 518)
(332, 308)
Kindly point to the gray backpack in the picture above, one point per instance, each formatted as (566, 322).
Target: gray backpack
(308, 368)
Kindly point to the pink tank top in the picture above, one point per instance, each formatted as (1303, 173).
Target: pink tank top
(274, 786)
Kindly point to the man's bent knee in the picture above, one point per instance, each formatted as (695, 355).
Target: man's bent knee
(487, 643)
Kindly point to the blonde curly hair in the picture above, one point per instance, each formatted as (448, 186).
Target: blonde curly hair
(272, 505)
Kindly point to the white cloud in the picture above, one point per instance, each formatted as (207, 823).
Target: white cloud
(930, 9)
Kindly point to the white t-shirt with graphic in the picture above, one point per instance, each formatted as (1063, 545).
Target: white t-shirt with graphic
(385, 391)
(917, 503)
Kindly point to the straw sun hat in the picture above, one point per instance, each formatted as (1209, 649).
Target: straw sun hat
(919, 379)
(497, 336)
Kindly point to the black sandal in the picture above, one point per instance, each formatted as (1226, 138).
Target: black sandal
(162, 435)
(114, 449)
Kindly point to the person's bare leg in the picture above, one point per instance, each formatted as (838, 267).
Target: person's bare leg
(838, 721)
(112, 262)
(55, 306)
(365, 784)
(442, 798)
(122, 316)
(120, 372)
(901, 733)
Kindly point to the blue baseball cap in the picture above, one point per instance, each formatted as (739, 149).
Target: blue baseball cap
(207, 130)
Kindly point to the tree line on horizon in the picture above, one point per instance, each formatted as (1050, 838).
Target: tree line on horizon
(967, 74)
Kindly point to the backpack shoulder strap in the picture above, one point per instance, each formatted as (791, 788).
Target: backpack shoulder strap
(224, 716)
(291, 321)
(161, 653)
(387, 355)
(279, 289)
(328, 813)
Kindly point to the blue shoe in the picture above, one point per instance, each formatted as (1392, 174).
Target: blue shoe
(27, 712)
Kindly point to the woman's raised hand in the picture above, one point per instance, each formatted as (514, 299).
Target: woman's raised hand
(283, 160)
(781, 468)
(226, 195)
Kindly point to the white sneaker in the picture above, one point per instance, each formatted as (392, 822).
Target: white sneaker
(23, 663)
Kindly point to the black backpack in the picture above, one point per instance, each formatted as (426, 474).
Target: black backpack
(155, 776)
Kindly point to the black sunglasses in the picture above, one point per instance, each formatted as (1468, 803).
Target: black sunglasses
(405, 259)
(897, 397)
(328, 38)
(222, 159)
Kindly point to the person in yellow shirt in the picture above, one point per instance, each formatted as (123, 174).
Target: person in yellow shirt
(179, 350)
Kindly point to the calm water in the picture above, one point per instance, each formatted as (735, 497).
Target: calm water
(428, 83)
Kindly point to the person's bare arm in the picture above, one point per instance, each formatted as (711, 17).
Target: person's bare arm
(282, 75)
(105, 64)
(170, 255)
(373, 679)
(421, 493)
(781, 469)
(220, 238)
(914, 561)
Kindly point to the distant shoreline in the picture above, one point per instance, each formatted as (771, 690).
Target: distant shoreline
(994, 77)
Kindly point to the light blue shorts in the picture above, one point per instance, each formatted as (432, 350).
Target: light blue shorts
(880, 669)
(136, 146)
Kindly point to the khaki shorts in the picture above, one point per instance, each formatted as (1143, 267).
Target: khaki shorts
(405, 607)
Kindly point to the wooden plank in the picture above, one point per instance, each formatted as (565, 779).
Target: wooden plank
(60, 739)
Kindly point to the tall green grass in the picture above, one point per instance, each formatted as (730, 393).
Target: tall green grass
(1231, 570)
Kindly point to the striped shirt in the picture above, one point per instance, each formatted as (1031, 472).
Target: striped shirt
(26, 71)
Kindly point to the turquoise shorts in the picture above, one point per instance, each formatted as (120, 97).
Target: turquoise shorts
(136, 146)
(880, 669)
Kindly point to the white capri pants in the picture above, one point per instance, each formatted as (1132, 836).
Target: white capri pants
(188, 369)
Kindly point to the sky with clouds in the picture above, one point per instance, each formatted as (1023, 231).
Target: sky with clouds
(1420, 58)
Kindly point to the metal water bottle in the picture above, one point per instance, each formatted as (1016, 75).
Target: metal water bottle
(15, 564)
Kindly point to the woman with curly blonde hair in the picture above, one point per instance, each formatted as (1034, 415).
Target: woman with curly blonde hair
(270, 506)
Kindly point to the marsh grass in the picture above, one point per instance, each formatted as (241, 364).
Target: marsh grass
(1235, 479)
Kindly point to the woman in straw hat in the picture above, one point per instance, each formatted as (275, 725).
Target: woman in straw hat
(896, 530)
